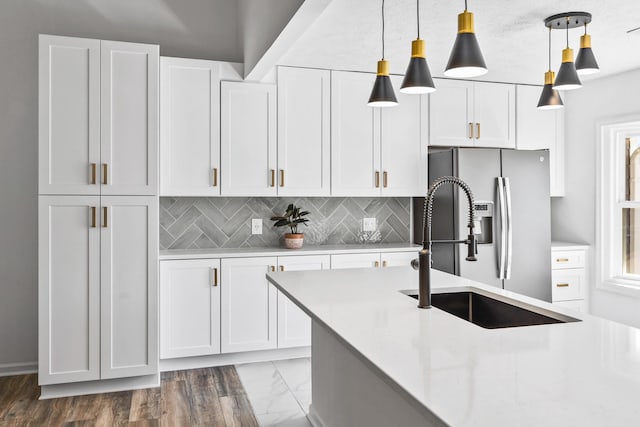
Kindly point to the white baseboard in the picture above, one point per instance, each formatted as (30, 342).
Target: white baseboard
(183, 363)
(101, 386)
(314, 418)
(20, 368)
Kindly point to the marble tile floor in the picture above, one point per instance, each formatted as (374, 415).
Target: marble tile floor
(279, 391)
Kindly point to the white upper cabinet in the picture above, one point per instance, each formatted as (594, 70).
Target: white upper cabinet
(248, 139)
(189, 127)
(376, 151)
(540, 129)
(98, 117)
(304, 132)
(69, 115)
(128, 270)
(355, 136)
(129, 118)
(472, 114)
(404, 137)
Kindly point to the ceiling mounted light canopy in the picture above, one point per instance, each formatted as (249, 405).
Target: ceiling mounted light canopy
(417, 79)
(567, 78)
(549, 98)
(382, 94)
(466, 59)
(586, 61)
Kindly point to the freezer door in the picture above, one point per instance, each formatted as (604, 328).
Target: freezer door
(479, 168)
(528, 263)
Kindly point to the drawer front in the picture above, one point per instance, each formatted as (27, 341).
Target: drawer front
(567, 259)
(568, 285)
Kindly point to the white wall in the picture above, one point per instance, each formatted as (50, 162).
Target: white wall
(194, 28)
(573, 216)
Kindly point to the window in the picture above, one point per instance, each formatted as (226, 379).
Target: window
(619, 216)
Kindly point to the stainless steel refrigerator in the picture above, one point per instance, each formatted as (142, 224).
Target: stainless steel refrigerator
(511, 191)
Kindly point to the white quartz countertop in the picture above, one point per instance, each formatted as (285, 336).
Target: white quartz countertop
(583, 373)
(306, 250)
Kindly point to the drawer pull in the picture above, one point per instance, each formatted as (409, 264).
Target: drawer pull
(93, 217)
(384, 263)
(377, 264)
(377, 179)
(478, 130)
(281, 177)
(282, 268)
(384, 179)
(273, 177)
(562, 259)
(273, 268)
(105, 174)
(93, 173)
(215, 177)
(562, 285)
(215, 277)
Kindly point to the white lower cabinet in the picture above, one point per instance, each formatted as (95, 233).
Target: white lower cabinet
(373, 259)
(248, 305)
(189, 307)
(569, 277)
(294, 326)
(397, 259)
(97, 287)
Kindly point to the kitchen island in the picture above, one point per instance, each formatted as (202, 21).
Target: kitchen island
(378, 360)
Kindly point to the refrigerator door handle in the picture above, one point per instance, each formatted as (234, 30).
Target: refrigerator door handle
(509, 221)
(503, 228)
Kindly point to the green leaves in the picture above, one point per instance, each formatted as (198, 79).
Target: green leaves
(291, 218)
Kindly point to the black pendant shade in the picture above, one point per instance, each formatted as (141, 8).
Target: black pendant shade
(466, 58)
(382, 94)
(586, 61)
(417, 79)
(567, 78)
(549, 98)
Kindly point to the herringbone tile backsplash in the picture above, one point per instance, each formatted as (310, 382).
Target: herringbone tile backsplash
(225, 222)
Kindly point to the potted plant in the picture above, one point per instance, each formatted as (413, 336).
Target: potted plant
(291, 218)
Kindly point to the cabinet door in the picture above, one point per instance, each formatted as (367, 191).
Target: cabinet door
(129, 284)
(129, 118)
(494, 115)
(404, 145)
(398, 259)
(248, 139)
(355, 260)
(450, 113)
(189, 308)
(248, 305)
(303, 132)
(355, 136)
(69, 115)
(68, 289)
(189, 127)
(540, 129)
(294, 326)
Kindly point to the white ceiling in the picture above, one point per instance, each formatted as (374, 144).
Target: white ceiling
(511, 34)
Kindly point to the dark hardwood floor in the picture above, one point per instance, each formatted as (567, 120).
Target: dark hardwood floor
(198, 397)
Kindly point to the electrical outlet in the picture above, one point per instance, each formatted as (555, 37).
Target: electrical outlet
(369, 224)
(256, 226)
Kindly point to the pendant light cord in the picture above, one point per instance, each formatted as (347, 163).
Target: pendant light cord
(465, 5)
(549, 48)
(418, 16)
(382, 29)
(567, 32)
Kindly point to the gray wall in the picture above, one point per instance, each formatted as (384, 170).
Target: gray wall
(225, 222)
(573, 216)
(189, 28)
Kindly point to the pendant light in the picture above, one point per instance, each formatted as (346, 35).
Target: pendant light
(567, 75)
(586, 61)
(549, 98)
(382, 94)
(466, 59)
(417, 79)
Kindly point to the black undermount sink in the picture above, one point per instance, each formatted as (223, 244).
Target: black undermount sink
(489, 312)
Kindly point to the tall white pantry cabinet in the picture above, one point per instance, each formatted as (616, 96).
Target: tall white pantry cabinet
(98, 210)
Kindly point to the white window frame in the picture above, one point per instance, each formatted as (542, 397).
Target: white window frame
(610, 201)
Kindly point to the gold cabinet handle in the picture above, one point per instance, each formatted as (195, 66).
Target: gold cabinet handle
(562, 285)
(377, 179)
(273, 268)
(478, 130)
(470, 130)
(281, 177)
(93, 217)
(384, 263)
(93, 173)
(377, 264)
(384, 179)
(562, 259)
(215, 277)
(105, 222)
(282, 268)
(104, 173)
(215, 177)
(273, 177)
